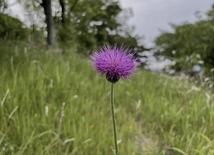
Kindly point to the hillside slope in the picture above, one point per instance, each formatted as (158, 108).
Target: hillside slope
(53, 103)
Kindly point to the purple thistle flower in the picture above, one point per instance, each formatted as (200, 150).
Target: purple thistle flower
(115, 63)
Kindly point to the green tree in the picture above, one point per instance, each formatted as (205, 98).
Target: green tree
(12, 28)
(189, 44)
(83, 24)
(35, 7)
(92, 23)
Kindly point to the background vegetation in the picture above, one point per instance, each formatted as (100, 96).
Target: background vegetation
(82, 24)
(190, 45)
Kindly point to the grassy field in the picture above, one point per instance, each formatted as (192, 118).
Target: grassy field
(56, 104)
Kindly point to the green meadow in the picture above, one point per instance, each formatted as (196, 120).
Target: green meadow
(54, 103)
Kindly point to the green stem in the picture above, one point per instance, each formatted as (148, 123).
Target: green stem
(113, 117)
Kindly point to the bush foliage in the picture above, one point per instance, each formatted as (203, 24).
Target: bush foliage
(189, 44)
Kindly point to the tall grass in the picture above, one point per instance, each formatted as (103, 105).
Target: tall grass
(54, 103)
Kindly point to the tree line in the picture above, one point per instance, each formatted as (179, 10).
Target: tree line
(82, 24)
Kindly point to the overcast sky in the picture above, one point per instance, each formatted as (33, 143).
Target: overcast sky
(152, 15)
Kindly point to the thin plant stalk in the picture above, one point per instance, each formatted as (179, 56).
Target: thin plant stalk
(113, 117)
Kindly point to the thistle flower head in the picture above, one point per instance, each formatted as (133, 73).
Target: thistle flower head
(115, 63)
